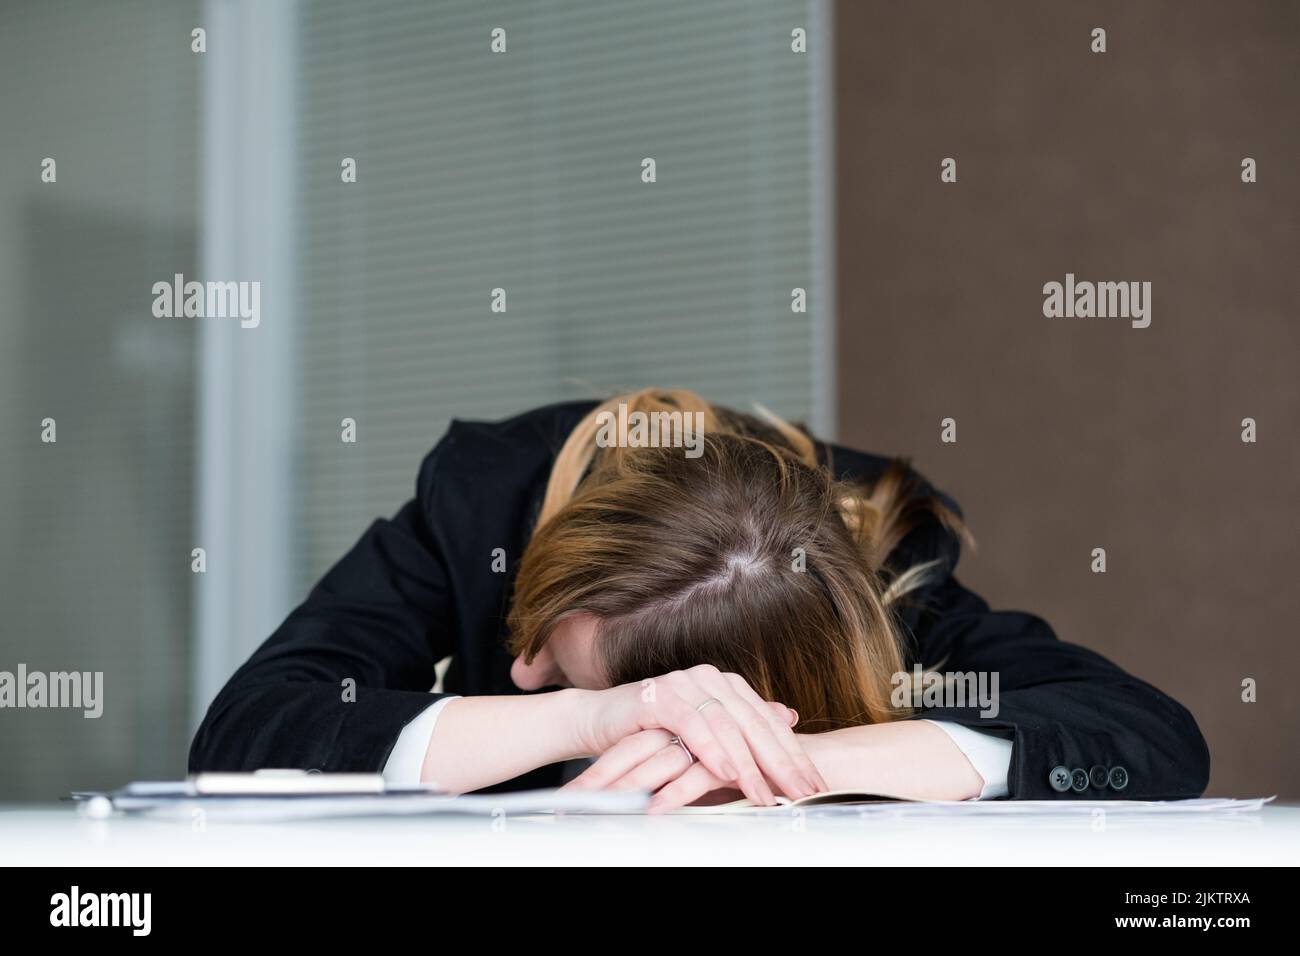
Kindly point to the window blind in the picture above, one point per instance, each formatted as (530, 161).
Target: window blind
(96, 527)
(522, 171)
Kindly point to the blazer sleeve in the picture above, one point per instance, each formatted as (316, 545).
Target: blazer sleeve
(1063, 706)
(378, 618)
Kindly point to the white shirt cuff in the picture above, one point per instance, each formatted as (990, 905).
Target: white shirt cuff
(988, 754)
(407, 757)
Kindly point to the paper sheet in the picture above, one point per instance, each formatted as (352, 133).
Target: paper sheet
(259, 809)
(1008, 808)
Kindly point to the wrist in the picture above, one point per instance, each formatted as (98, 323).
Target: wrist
(573, 711)
(826, 750)
(480, 741)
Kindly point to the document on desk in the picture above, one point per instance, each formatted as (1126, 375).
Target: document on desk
(849, 802)
(285, 795)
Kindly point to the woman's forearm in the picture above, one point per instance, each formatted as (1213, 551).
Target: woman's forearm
(479, 741)
(910, 758)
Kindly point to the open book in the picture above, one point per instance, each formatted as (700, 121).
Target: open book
(829, 797)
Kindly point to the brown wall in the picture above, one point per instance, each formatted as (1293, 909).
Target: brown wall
(1082, 433)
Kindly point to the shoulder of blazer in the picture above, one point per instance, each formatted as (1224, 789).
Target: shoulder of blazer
(930, 540)
(542, 429)
(507, 451)
(481, 488)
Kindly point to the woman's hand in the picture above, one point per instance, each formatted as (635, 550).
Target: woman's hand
(650, 760)
(739, 739)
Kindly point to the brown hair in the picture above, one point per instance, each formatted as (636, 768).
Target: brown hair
(750, 557)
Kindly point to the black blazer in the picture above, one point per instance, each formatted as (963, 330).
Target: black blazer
(419, 587)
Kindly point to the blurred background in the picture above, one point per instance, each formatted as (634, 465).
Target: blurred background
(474, 171)
(776, 170)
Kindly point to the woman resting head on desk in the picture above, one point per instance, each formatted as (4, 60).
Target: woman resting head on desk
(741, 614)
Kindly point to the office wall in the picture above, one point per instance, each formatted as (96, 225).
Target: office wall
(1072, 433)
(96, 527)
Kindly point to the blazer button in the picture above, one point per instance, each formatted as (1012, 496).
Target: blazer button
(1059, 778)
(1078, 780)
(1098, 776)
(1118, 778)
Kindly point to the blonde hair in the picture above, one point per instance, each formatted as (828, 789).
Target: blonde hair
(751, 557)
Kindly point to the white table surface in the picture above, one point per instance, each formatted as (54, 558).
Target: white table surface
(58, 835)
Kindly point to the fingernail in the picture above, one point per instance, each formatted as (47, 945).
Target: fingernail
(794, 716)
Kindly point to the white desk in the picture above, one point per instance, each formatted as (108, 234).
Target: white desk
(56, 835)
